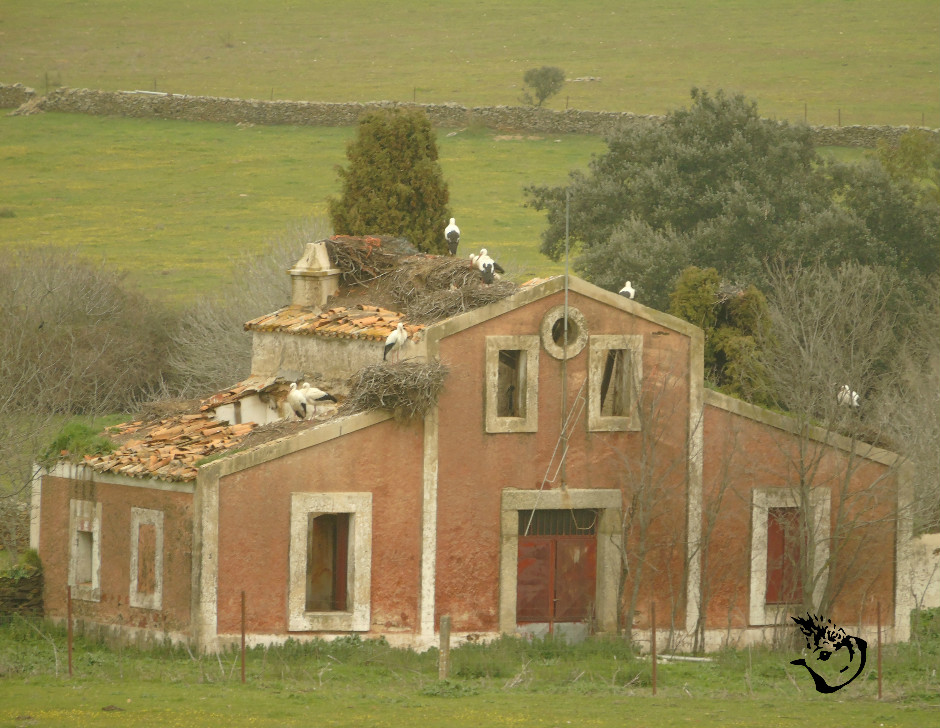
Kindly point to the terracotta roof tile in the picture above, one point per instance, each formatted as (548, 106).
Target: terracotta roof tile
(363, 321)
(170, 448)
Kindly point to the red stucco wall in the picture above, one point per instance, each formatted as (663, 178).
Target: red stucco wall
(742, 454)
(476, 466)
(117, 501)
(254, 525)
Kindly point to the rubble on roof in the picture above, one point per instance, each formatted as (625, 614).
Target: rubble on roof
(247, 387)
(168, 449)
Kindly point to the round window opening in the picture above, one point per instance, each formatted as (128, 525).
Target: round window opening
(553, 332)
(562, 337)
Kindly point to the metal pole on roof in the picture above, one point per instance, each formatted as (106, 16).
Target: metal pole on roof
(564, 360)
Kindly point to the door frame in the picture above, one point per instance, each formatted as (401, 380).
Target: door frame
(609, 538)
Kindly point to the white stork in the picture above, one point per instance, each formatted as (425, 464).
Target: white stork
(847, 397)
(395, 341)
(628, 291)
(486, 265)
(452, 233)
(314, 394)
(297, 401)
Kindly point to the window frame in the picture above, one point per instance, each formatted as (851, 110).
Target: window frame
(529, 345)
(146, 517)
(357, 616)
(598, 351)
(761, 611)
(85, 516)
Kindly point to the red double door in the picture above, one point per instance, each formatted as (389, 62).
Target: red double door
(557, 567)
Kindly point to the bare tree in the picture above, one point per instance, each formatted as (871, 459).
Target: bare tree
(650, 471)
(211, 347)
(73, 340)
(831, 329)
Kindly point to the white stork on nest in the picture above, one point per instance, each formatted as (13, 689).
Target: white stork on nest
(486, 265)
(297, 401)
(628, 291)
(395, 341)
(847, 397)
(314, 394)
(452, 233)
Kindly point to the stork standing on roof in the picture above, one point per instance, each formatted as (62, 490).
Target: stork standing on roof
(628, 291)
(395, 341)
(314, 394)
(486, 265)
(297, 401)
(452, 233)
(847, 397)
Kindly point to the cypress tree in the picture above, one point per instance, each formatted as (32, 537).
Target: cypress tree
(393, 184)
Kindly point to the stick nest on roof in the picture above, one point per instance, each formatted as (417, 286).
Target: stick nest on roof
(426, 288)
(363, 259)
(408, 389)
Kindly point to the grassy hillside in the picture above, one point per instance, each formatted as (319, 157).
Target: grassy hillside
(175, 203)
(876, 61)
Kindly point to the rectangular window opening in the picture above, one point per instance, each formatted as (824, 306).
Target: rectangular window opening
(85, 541)
(784, 556)
(327, 562)
(615, 384)
(511, 383)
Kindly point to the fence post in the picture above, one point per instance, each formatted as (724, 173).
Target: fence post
(443, 660)
(879, 650)
(68, 592)
(653, 641)
(243, 635)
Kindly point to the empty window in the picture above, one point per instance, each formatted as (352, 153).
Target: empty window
(327, 562)
(510, 385)
(512, 370)
(615, 374)
(615, 384)
(784, 555)
(330, 562)
(85, 549)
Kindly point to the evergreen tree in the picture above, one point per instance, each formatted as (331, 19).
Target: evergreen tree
(717, 186)
(393, 184)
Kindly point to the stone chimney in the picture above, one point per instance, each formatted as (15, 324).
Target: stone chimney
(313, 280)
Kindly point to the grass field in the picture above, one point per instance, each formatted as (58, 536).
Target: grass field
(176, 203)
(509, 683)
(875, 60)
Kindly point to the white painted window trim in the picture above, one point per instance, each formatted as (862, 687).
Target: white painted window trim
(530, 345)
(85, 516)
(357, 618)
(597, 358)
(139, 517)
(763, 499)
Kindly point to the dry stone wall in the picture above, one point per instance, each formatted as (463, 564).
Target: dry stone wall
(154, 105)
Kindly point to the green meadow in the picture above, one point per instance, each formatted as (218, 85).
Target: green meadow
(876, 61)
(511, 682)
(177, 203)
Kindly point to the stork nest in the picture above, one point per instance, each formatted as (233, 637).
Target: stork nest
(363, 259)
(426, 288)
(408, 389)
